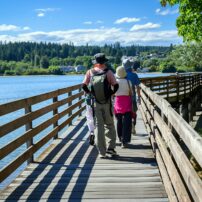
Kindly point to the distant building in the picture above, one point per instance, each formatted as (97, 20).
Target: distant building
(143, 70)
(67, 69)
(80, 68)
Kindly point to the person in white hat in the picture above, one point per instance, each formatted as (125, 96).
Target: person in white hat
(123, 107)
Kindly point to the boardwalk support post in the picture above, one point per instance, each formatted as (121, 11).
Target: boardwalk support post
(55, 111)
(70, 104)
(28, 126)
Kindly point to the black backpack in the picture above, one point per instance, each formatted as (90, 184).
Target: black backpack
(100, 87)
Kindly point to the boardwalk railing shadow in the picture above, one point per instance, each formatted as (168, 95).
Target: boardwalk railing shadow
(49, 177)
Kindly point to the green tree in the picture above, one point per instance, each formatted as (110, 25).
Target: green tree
(44, 62)
(36, 61)
(55, 70)
(168, 67)
(187, 57)
(189, 22)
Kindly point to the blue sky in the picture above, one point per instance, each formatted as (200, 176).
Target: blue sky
(95, 22)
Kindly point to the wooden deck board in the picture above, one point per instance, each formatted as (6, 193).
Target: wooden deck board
(70, 170)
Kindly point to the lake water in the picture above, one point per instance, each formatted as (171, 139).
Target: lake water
(18, 87)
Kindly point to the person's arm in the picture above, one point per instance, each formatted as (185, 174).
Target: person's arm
(85, 88)
(137, 83)
(116, 87)
(138, 94)
(112, 80)
(86, 81)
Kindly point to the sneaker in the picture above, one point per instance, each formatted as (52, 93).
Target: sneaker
(102, 156)
(92, 139)
(111, 151)
(123, 145)
(133, 130)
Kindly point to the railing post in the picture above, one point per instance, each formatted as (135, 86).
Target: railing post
(190, 90)
(184, 111)
(167, 89)
(184, 87)
(192, 83)
(178, 88)
(69, 104)
(151, 84)
(80, 89)
(190, 111)
(28, 126)
(55, 111)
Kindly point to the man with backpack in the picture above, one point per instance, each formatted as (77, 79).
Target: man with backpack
(99, 82)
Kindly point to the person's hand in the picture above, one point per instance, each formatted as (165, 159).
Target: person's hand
(113, 96)
(139, 101)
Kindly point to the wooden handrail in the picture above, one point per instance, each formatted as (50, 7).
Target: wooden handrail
(167, 128)
(74, 101)
(161, 120)
(174, 88)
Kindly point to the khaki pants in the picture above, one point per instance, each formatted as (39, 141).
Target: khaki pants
(104, 127)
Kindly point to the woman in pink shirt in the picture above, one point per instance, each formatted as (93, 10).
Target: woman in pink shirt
(123, 107)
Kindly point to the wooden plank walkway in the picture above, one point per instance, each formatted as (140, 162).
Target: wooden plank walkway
(70, 170)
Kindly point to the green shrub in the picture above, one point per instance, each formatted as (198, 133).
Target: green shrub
(9, 73)
(55, 70)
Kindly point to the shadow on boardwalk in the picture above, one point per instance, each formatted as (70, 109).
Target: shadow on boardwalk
(71, 171)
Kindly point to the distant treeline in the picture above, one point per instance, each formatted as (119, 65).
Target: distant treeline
(29, 51)
(31, 58)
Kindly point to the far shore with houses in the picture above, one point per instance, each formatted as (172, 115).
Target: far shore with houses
(77, 69)
(83, 69)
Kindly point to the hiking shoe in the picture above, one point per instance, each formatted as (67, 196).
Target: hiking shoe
(111, 151)
(102, 156)
(92, 139)
(133, 130)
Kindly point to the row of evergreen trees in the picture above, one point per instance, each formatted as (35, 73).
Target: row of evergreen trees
(29, 51)
(28, 58)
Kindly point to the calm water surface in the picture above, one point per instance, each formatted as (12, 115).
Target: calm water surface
(18, 87)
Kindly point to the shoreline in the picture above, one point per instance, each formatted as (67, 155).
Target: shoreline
(40, 75)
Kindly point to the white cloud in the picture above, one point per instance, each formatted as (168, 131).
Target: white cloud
(46, 9)
(99, 36)
(88, 23)
(99, 22)
(41, 12)
(148, 25)
(126, 20)
(26, 28)
(5, 27)
(166, 12)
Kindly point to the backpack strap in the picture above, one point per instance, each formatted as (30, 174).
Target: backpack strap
(93, 72)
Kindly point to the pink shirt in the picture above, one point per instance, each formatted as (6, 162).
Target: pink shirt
(123, 104)
(99, 68)
(123, 101)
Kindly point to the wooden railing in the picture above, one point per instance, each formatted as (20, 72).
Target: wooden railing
(170, 134)
(55, 101)
(167, 129)
(174, 88)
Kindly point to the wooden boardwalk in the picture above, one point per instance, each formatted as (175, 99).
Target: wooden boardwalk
(70, 170)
